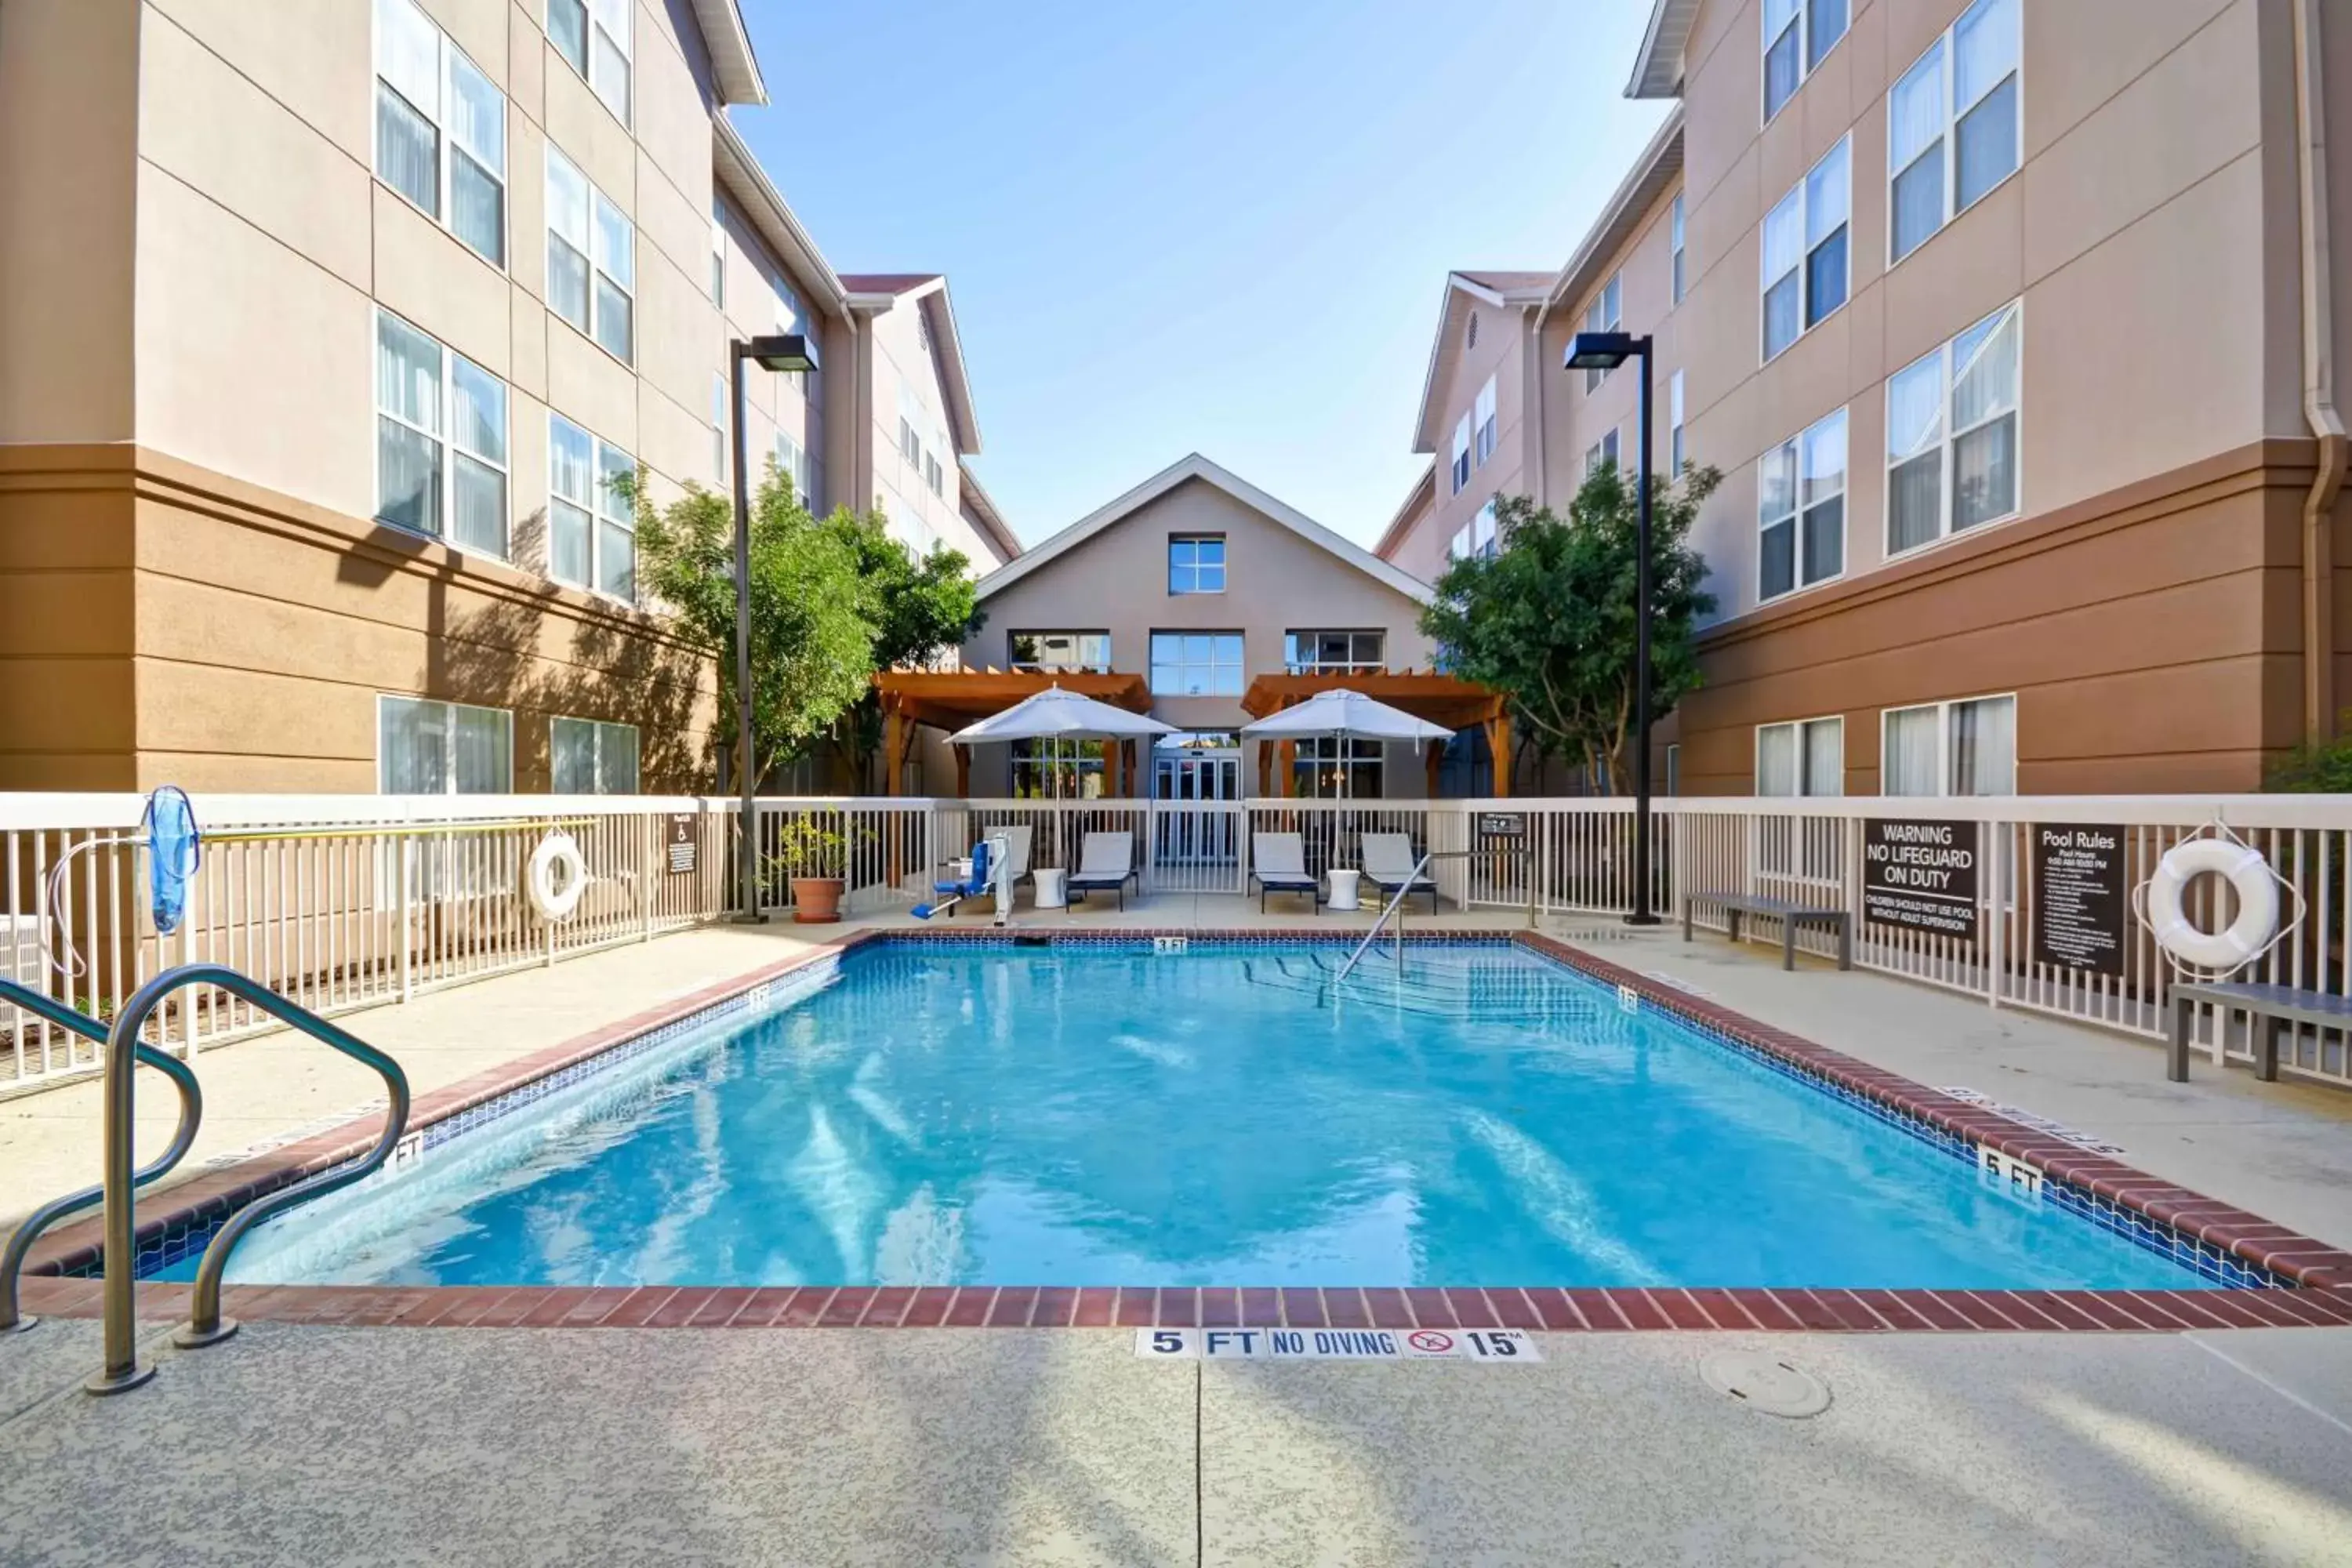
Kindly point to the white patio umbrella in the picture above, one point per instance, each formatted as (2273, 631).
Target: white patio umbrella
(1054, 714)
(1344, 715)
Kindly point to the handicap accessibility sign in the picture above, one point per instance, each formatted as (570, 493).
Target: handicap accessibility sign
(1501, 1347)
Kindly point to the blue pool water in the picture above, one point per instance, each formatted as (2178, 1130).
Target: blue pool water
(1097, 1115)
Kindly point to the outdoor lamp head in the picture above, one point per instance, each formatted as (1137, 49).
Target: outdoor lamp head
(782, 352)
(1599, 351)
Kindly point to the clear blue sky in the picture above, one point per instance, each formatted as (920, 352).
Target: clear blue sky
(1217, 225)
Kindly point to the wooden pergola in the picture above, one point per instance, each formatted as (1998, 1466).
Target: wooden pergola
(1437, 699)
(950, 698)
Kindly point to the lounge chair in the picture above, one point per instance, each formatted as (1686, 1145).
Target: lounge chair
(1278, 865)
(1106, 863)
(1389, 861)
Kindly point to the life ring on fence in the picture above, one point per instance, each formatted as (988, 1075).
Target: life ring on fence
(556, 902)
(2258, 906)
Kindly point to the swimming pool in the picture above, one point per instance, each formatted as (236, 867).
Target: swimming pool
(1103, 1114)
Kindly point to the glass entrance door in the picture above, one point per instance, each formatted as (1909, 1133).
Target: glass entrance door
(1201, 772)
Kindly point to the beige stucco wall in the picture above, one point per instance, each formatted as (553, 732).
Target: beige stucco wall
(1500, 352)
(1276, 581)
(905, 357)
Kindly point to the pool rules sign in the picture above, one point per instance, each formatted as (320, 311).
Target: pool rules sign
(1922, 875)
(2078, 896)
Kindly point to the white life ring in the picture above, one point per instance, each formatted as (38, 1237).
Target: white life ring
(2258, 904)
(556, 902)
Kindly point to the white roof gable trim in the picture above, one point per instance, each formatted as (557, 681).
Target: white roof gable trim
(1197, 466)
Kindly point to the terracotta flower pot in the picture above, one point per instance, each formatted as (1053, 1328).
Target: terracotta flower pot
(816, 900)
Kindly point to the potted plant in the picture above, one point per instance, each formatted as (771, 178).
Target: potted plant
(813, 858)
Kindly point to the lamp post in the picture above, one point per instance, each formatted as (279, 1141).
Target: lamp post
(1607, 350)
(782, 352)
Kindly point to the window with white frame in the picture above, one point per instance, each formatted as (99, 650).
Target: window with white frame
(440, 129)
(1804, 757)
(1057, 651)
(591, 259)
(590, 757)
(1483, 539)
(1675, 247)
(591, 525)
(1968, 747)
(594, 35)
(1674, 769)
(1798, 34)
(1483, 417)
(1953, 125)
(1801, 509)
(441, 440)
(1461, 454)
(1951, 434)
(1459, 545)
(934, 477)
(1674, 425)
(717, 262)
(1805, 242)
(1601, 451)
(1196, 564)
(1196, 664)
(442, 747)
(720, 463)
(1354, 653)
(1330, 767)
(1605, 314)
(794, 461)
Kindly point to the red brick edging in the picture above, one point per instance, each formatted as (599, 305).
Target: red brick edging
(2324, 1273)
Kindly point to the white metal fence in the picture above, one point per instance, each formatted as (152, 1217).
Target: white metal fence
(343, 902)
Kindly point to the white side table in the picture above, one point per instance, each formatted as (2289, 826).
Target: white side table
(1343, 889)
(1051, 893)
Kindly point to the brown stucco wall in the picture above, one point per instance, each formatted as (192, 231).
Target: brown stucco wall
(162, 622)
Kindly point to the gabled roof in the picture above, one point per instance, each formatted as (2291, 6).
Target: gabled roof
(1465, 291)
(742, 178)
(1658, 69)
(731, 61)
(1196, 466)
(984, 513)
(1417, 503)
(1658, 167)
(876, 292)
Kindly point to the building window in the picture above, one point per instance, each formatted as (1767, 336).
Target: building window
(1196, 564)
(1954, 412)
(1056, 770)
(594, 36)
(440, 129)
(1603, 452)
(594, 758)
(591, 259)
(910, 446)
(1675, 246)
(441, 440)
(1798, 35)
(1675, 425)
(1805, 241)
(591, 525)
(1807, 757)
(1461, 454)
(1605, 314)
(1801, 509)
(1483, 541)
(1308, 653)
(1326, 767)
(1953, 125)
(1053, 651)
(442, 747)
(935, 476)
(1196, 664)
(1950, 748)
(718, 442)
(1483, 415)
(1674, 769)
(717, 262)
(792, 460)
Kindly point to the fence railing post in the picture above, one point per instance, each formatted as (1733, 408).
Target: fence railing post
(407, 862)
(1996, 837)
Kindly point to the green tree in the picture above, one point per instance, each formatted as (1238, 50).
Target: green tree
(813, 624)
(919, 608)
(1548, 619)
(2314, 767)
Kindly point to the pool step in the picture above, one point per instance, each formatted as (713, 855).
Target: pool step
(1492, 996)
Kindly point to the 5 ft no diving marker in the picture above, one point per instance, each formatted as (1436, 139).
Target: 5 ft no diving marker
(1501, 1347)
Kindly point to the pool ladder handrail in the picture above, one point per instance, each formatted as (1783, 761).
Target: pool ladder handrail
(1395, 906)
(205, 1325)
(192, 1113)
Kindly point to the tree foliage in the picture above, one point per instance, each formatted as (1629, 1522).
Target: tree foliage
(1548, 619)
(921, 606)
(813, 619)
(2314, 767)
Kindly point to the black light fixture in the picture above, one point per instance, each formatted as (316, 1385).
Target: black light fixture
(1607, 350)
(781, 353)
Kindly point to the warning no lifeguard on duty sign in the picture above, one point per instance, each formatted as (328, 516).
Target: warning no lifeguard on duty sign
(1497, 1346)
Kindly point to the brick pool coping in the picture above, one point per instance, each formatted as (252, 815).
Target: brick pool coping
(2320, 1295)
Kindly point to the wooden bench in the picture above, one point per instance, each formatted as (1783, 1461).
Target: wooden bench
(1790, 914)
(2269, 1009)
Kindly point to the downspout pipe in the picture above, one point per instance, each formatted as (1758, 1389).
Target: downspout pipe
(2318, 380)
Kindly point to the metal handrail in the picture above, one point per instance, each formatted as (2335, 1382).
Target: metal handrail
(205, 1326)
(192, 1112)
(1395, 904)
